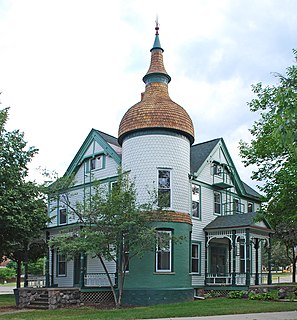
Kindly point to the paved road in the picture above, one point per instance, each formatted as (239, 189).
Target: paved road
(6, 290)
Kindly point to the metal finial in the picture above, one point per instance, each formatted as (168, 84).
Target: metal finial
(157, 26)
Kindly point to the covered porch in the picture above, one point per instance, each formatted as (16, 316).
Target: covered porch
(234, 249)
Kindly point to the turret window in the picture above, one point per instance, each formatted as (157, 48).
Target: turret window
(164, 188)
(163, 251)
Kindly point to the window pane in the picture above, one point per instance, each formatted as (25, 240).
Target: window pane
(62, 217)
(195, 258)
(164, 198)
(164, 179)
(163, 251)
(195, 209)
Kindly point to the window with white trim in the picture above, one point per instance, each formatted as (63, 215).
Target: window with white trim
(217, 169)
(61, 264)
(250, 207)
(236, 205)
(217, 202)
(164, 188)
(164, 251)
(195, 258)
(196, 201)
(62, 216)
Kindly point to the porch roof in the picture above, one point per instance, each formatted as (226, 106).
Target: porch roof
(234, 221)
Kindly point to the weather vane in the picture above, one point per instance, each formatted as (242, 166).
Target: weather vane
(157, 26)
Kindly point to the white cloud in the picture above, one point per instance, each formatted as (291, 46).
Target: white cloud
(67, 66)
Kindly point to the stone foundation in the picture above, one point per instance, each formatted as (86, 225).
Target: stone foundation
(47, 298)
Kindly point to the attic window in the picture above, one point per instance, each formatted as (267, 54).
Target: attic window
(217, 169)
(95, 163)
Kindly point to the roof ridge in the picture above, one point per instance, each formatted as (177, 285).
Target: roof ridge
(200, 143)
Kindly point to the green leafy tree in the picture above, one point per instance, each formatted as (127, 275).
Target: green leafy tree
(22, 205)
(273, 149)
(113, 227)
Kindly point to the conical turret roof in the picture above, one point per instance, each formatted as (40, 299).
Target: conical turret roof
(156, 110)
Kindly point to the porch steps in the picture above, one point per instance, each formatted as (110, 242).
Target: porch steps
(40, 302)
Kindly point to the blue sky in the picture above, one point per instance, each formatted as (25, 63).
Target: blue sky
(67, 66)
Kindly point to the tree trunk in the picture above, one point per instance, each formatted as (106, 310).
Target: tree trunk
(110, 282)
(294, 259)
(19, 273)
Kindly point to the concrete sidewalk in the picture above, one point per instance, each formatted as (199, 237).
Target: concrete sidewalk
(288, 315)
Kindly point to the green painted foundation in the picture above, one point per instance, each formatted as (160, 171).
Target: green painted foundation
(148, 297)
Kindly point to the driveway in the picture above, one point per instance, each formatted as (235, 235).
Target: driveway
(6, 290)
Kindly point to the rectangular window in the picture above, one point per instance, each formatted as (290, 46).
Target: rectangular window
(96, 163)
(217, 169)
(196, 247)
(217, 203)
(242, 256)
(236, 206)
(163, 251)
(164, 189)
(196, 201)
(61, 265)
(250, 207)
(62, 216)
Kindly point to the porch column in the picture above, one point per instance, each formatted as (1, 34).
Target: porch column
(206, 256)
(47, 258)
(234, 257)
(269, 280)
(52, 252)
(248, 258)
(256, 246)
(82, 271)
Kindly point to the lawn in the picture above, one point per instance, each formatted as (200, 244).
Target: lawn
(187, 309)
(7, 300)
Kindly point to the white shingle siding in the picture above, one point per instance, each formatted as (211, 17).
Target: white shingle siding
(145, 154)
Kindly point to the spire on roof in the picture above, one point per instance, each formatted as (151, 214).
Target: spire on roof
(157, 44)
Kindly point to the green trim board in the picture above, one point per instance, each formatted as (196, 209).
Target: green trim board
(207, 150)
(97, 136)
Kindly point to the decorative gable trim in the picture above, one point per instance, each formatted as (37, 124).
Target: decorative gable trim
(79, 157)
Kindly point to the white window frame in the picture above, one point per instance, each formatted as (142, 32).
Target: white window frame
(196, 195)
(63, 261)
(252, 206)
(236, 205)
(214, 203)
(197, 258)
(170, 186)
(60, 214)
(160, 250)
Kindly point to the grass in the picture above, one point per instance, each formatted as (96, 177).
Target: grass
(206, 307)
(7, 300)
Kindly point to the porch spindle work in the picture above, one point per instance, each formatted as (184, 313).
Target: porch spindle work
(248, 258)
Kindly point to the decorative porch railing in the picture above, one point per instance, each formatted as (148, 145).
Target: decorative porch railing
(99, 280)
(240, 279)
(36, 281)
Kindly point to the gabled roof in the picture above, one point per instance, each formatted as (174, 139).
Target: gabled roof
(250, 191)
(104, 140)
(245, 220)
(107, 137)
(200, 153)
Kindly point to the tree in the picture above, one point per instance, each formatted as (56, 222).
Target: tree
(273, 150)
(22, 207)
(113, 226)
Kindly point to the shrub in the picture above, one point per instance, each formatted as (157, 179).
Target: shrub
(6, 274)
